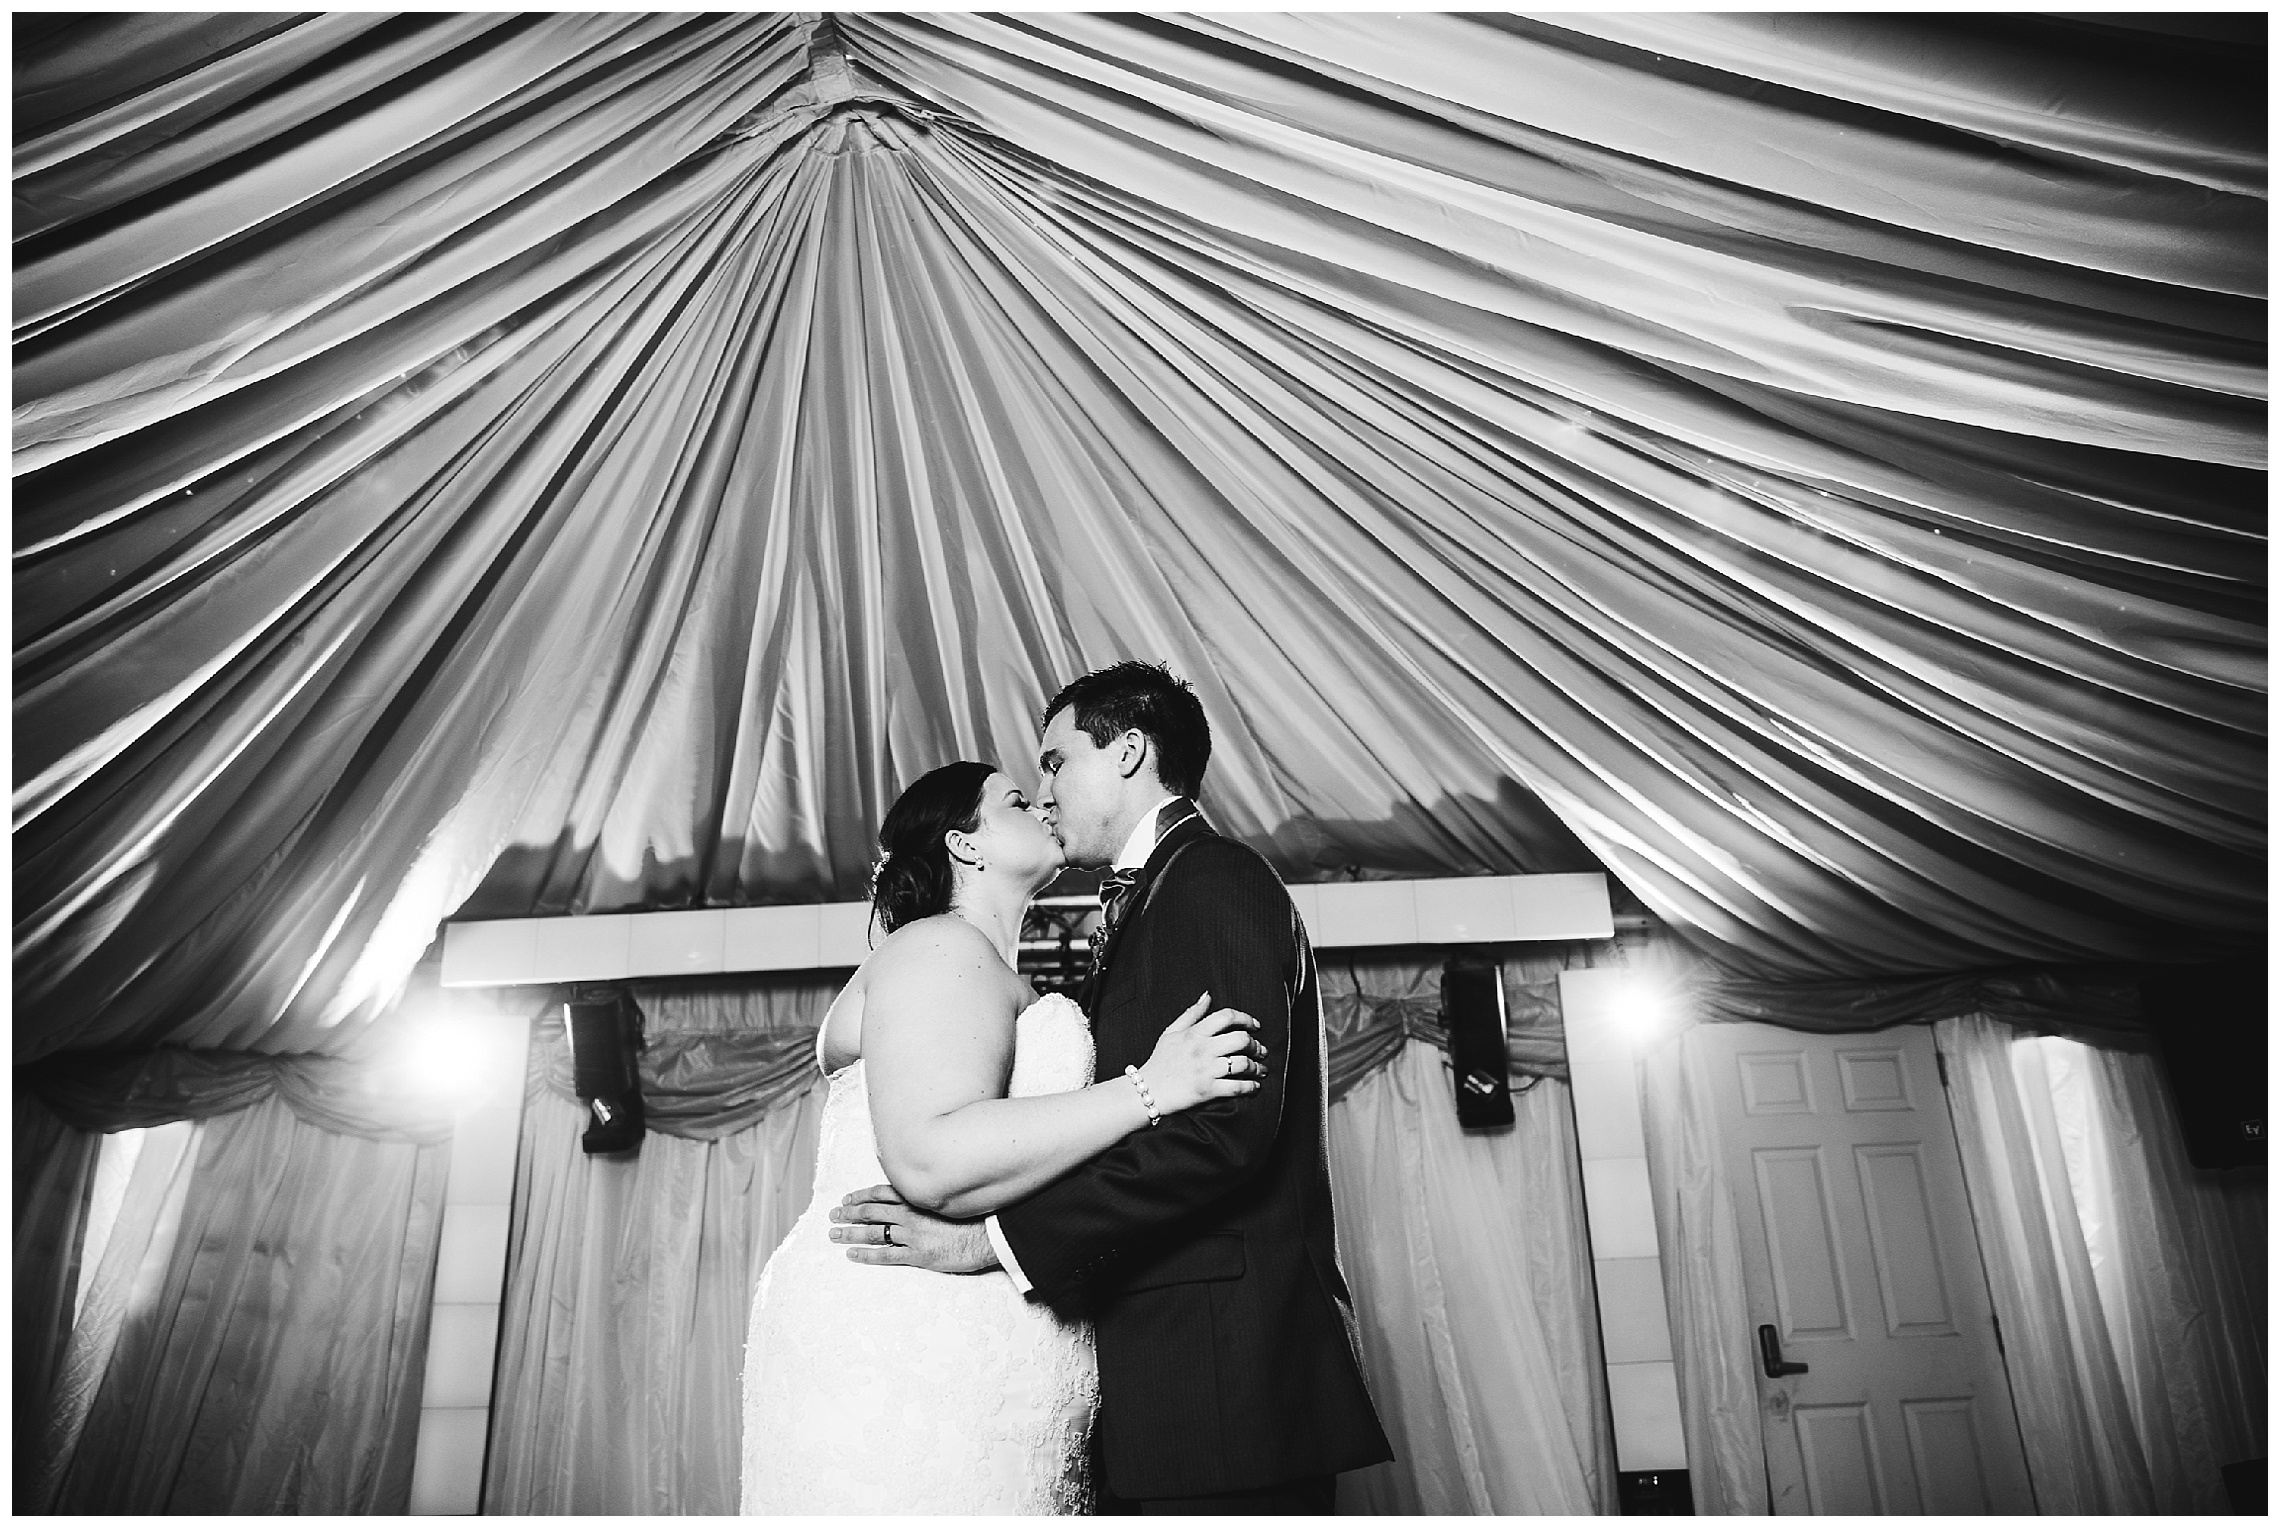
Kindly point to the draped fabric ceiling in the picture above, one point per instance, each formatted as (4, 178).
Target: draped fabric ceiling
(1808, 465)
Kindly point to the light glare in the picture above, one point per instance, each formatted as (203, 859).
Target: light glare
(439, 1055)
(1644, 1011)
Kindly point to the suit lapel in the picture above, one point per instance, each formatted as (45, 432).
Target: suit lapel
(1185, 831)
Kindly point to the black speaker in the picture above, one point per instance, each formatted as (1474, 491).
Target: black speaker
(1472, 1005)
(1654, 1493)
(2244, 1487)
(605, 1065)
(2210, 1020)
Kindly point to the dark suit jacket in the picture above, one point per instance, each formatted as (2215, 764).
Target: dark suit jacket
(1203, 1249)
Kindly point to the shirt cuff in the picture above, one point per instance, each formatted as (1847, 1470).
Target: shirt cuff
(1006, 1259)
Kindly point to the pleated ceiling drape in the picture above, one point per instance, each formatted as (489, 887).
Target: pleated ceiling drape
(1810, 466)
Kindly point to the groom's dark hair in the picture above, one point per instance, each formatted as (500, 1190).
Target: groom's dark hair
(1149, 697)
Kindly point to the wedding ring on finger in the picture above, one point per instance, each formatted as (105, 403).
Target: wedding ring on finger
(887, 1234)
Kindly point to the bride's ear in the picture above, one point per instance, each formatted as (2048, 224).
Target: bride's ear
(964, 850)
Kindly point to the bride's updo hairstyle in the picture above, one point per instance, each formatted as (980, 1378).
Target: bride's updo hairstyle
(913, 877)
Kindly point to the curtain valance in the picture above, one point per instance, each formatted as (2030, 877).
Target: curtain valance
(719, 1054)
(699, 1087)
(158, 1087)
(2099, 1003)
(1371, 1006)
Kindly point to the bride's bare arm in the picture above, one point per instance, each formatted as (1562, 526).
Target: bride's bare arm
(938, 1035)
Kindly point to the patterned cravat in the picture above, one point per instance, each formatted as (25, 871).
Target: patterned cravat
(1116, 890)
(1118, 886)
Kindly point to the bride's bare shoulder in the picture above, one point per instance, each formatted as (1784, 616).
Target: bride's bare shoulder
(943, 960)
(931, 965)
(942, 941)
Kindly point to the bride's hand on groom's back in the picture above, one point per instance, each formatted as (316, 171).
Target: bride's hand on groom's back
(1201, 1056)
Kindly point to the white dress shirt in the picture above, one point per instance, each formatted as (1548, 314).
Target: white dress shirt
(1132, 856)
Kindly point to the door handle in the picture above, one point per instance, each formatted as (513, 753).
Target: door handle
(1769, 1348)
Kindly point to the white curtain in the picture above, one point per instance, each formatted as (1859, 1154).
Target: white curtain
(130, 1241)
(1472, 1281)
(629, 1282)
(1702, 1282)
(251, 1335)
(628, 1290)
(2130, 1329)
(632, 1278)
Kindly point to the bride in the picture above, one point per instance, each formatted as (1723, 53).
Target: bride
(885, 1389)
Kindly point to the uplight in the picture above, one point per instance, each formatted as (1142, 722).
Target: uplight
(1644, 1011)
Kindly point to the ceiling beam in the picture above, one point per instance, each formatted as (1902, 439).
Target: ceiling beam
(508, 952)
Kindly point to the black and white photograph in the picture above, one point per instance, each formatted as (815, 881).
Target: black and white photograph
(1062, 763)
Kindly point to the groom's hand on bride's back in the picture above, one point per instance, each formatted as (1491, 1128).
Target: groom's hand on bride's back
(876, 1226)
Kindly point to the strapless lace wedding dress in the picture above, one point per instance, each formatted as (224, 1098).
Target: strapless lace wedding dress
(870, 1389)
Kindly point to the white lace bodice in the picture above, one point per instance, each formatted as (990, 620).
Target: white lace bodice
(877, 1389)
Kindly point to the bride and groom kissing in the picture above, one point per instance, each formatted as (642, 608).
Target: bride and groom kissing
(1067, 1295)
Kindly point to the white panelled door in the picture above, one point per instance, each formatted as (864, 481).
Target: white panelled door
(1863, 1268)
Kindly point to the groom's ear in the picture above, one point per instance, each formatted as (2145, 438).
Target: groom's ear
(1132, 751)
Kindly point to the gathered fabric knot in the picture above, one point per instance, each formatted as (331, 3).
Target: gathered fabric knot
(1120, 885)
(1116, 889)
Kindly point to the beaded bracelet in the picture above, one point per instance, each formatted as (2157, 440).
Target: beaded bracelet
(1147, 1102)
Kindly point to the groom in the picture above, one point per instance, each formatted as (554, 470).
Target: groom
(1202, 1249)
